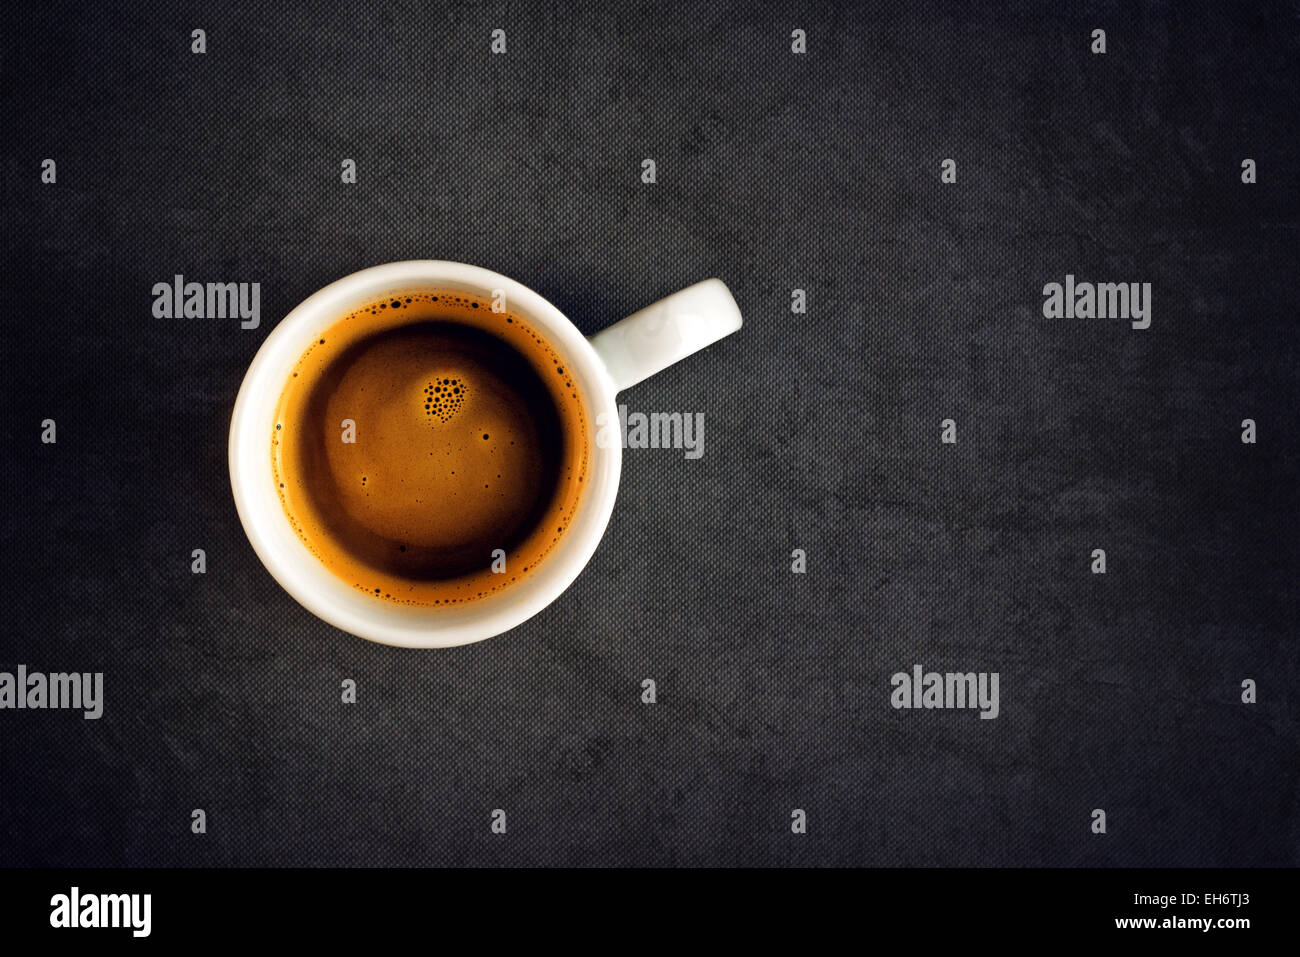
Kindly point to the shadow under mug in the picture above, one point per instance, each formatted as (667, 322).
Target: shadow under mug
(619, 356)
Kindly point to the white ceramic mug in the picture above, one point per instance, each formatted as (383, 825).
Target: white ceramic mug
(619, 356)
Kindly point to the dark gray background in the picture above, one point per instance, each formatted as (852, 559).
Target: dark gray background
(775, 171)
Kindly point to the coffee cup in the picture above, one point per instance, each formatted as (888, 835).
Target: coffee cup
(597, 369)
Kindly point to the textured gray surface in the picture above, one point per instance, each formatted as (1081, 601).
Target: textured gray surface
(775, 171)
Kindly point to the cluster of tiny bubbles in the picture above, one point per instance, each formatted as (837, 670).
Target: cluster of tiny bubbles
(390, 304)
(568, 382)
(444, 398)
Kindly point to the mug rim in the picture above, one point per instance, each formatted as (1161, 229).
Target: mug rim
(376, 619)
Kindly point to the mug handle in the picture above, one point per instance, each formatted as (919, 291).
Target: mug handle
(655, 337)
